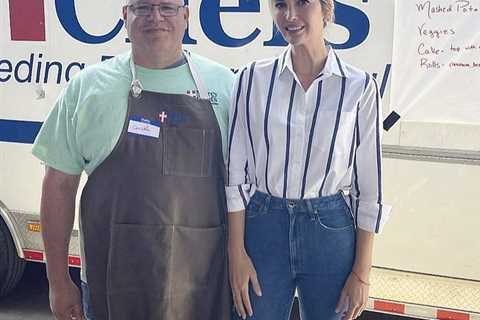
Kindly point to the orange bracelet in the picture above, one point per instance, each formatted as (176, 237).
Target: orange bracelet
(360, 279)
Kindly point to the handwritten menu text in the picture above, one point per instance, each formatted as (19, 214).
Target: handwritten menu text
(441, 44)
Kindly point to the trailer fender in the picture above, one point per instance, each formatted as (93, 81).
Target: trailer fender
(14, 232)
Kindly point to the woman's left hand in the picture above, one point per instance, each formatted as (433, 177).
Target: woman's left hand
(353, 298)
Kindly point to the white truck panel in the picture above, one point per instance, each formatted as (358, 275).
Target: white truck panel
(433, 228)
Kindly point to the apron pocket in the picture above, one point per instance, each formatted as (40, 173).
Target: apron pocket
(139, 258)
(188, 152)
(199, 258)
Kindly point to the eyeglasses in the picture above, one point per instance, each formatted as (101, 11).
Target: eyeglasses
(146, 9)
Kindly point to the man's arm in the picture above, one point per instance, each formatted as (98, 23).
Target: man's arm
(57, 213)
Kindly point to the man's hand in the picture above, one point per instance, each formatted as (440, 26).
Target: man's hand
(65, 301)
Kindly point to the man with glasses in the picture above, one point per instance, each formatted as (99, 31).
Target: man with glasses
(150, 134)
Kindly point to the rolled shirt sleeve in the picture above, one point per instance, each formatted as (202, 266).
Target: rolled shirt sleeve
(238, 182)
(371, 213)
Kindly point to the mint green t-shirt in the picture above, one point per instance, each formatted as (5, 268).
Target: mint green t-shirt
(86, 122)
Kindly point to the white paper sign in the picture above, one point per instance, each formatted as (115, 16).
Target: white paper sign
(436, 61)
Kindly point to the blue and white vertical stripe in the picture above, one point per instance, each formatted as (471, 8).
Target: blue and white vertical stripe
(295, 143)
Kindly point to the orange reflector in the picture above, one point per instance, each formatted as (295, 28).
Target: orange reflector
(74, 261)
(447, 315)
(38, 256)
(34, 227)
(33, 255)
(389, 306)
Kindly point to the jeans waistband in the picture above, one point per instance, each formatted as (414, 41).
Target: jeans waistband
(300, 205)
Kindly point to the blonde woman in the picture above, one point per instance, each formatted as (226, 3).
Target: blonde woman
(304, 187)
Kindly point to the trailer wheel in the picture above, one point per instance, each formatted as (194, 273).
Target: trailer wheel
(11, 266)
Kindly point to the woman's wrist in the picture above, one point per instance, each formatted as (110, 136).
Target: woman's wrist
(362, 271)
(235, 248)
(360, 279)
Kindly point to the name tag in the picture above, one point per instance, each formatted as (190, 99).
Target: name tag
(144, 127)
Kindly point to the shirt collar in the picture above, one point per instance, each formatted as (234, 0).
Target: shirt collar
(333, 65)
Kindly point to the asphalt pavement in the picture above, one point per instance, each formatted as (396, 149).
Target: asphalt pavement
(29, 301)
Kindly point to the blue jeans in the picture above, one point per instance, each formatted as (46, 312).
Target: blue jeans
(303, 245)
(87, 304)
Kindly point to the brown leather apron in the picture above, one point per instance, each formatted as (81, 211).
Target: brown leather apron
(153, 214)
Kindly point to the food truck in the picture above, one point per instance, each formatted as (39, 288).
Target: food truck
(425, 56)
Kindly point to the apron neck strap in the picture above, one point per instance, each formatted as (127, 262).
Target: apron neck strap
(137, 88)
(201, 87)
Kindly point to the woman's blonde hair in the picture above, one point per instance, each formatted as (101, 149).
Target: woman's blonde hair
(328, 8)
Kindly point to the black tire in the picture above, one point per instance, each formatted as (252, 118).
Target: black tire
(11, 266)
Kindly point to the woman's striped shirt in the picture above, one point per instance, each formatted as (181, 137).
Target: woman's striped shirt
(295, 144)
